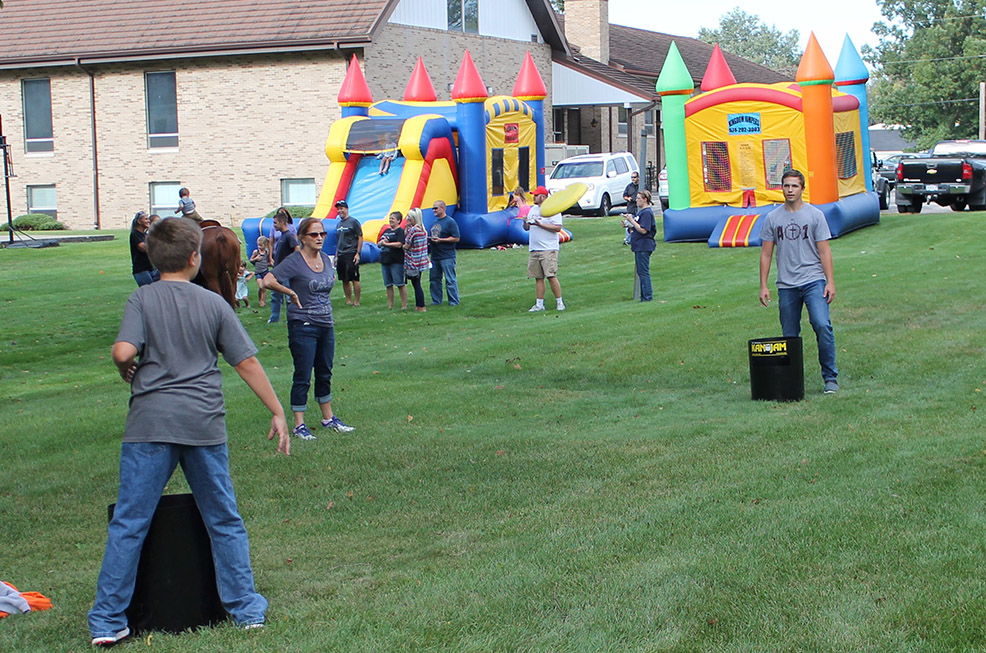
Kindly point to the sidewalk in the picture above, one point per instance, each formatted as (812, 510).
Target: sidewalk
(48, 239)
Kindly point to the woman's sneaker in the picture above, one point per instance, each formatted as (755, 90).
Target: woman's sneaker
(110, 640)
(335, 424)
(302, 432)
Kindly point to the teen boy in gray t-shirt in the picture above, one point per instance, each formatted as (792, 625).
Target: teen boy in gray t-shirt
(167, 350)
(805, 273)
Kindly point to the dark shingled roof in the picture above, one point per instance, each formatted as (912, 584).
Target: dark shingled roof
(889, 140)
(609, 75)
(642, 53)
(42, 32)
(636, 57)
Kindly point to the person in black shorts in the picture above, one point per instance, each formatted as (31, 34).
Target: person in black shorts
(349, 244)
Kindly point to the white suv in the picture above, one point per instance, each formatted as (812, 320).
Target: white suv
(606, 175)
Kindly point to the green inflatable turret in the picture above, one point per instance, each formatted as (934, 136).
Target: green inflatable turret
(675, 86)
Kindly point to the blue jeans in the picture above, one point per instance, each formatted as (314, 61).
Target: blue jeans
(642, 261)
(312, 347)
(146, 277)
(276, 299)
(145, 468)
(789, 301)
(444, 267)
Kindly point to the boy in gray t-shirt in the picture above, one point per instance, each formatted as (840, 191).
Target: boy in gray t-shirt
(167, 349)
(796, 235)
(805, 273)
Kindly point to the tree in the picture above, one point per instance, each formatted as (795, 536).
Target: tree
(747, 36)
(929, 62)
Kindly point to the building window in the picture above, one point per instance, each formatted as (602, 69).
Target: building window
(648, 121)
(38, 134)
(845, 154)
(463, 16)
(715, 167)
(41, 199)
(164, 197)
(776, 161)
(162, 109)
(298, 192)
(558, 124)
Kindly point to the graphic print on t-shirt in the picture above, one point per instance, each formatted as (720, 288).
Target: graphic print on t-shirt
(319, 289)
(793, 232)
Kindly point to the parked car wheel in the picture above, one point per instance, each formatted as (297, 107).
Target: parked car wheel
(916, 207)
(884, 200)
(605, 205)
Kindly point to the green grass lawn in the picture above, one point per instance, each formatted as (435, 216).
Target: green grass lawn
(593, 480)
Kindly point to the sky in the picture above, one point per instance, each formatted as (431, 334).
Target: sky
(830, 20)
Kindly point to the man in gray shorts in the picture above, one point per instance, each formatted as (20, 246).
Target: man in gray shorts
(805, 274)
(543, 243)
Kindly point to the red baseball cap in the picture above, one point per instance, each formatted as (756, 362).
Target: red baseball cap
(540, 190)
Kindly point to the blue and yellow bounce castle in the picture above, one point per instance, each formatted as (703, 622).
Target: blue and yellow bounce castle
(470, 153)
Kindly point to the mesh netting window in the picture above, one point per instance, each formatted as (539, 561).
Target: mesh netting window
(715, 164)
(776, 161)
(845, 154)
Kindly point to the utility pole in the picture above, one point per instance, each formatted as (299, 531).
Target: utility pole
(982, 110)
(7, 174)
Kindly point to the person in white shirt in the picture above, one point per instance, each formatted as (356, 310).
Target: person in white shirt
(543, 260)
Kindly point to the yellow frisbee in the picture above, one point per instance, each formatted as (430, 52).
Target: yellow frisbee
(563, 199)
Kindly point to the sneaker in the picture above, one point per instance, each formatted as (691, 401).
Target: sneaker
(535, 309)
(831, 387)
(253, 626)
(302, 432)
(561, 306)
(110, 640)
(272, 321)
(335, 424)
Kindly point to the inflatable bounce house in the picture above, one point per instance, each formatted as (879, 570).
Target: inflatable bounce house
(727, 147)
(470, 153)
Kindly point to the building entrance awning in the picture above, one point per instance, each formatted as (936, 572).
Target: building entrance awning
(573, 85)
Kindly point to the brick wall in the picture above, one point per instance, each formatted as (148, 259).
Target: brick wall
(244, 124)
(69, 167)
(587, 26)
(391, 58)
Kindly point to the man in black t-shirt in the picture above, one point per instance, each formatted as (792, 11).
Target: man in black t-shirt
(286, 245)
(349, 244)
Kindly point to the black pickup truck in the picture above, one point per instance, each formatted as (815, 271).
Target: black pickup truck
(953, 175)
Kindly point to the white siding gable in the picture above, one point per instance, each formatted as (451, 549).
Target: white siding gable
(505, 19)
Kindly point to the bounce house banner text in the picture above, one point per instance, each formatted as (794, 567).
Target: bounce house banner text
(743, 123)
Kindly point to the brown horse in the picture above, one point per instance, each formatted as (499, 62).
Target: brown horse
(220, 260)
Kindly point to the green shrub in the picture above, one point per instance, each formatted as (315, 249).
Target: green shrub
(35, 222)
(295, 211)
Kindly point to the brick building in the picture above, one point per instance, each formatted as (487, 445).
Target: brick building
(111, 105)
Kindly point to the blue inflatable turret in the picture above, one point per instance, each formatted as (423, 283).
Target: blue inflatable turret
(469, 94)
